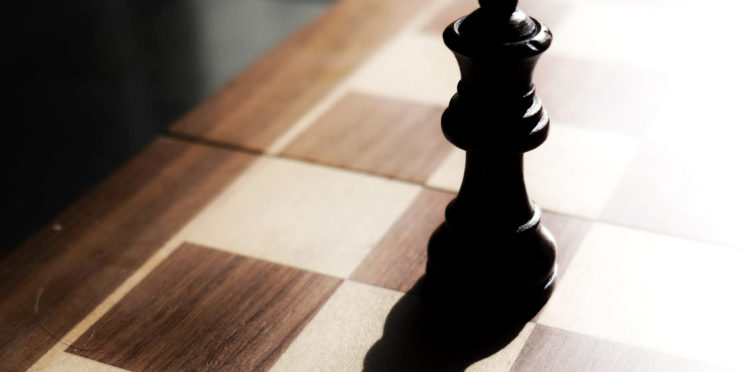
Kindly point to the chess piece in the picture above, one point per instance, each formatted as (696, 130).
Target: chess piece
(492, 249)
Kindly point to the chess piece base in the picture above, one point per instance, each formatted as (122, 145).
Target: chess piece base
(511, 275)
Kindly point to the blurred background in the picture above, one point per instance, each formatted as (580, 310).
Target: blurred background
(93, 81)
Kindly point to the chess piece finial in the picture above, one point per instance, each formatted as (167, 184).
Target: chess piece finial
(492, 250)
(500, 7)
(497, 21)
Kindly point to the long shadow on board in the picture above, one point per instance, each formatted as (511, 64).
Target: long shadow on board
(423, 334)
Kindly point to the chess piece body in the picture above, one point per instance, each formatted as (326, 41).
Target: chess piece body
(492, 249)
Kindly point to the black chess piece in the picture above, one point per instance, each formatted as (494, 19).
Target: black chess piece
(492, 255)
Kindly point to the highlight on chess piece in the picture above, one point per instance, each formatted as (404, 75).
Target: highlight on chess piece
(492, 254)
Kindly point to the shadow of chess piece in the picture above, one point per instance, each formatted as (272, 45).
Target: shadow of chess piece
(491, 257)
(416, 337)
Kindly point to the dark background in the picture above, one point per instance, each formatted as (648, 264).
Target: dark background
(89, 83)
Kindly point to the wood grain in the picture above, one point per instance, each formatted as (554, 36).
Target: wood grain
(302, 215)
(377, 135)
(340, 334)
(399, 259)
(49, 283)
(552, 349)
(207, 310)
(267, 98)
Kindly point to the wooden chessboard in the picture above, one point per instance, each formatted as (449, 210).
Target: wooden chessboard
(280, 223)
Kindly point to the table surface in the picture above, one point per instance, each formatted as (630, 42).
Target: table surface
(279, 224)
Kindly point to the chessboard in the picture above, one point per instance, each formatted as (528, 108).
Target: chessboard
(280, 224)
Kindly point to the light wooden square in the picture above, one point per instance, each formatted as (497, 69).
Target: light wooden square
(66, 362)
(307, 216)
(349, 325)
(414, 67)
(448, 176)
(654, 291)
